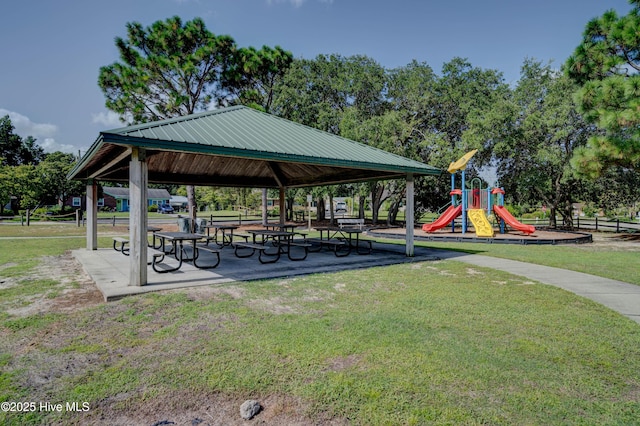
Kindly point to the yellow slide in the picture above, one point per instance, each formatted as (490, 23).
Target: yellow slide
(480, 223)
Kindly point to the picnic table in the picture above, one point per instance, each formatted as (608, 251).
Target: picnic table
(153, 230)
(338, 238)
(120, 243)
(226, 234)
(177, 239)
(283, 241)
(280, 227)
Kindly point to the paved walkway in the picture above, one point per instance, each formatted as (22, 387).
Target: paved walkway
(617, 295)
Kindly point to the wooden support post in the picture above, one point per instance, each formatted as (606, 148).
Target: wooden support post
(138, 178)
(283, 213)
(265, 218)
(92, 215)
(409, 216)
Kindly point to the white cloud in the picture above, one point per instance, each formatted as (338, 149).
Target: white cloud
(43, 132)
(50, 145)
(25, 127)
(296, 3)
(108, 119)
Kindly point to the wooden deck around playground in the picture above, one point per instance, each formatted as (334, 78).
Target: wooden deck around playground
(541, 236)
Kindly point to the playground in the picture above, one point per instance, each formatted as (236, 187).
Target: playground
(484, 218)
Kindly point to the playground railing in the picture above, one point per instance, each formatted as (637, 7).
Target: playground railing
(580, 223)
(606, 225)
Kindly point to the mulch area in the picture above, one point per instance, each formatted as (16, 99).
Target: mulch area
(540, 236)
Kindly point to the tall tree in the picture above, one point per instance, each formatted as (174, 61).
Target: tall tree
(317, 92)
(18, 160)
(531, 135)
(254, 75)
(607, 65)
(52, 174)
(438, 110)
(26, 186)
(14, 150)
(6, 187)
(31, 152)
(321, 91)
(428, 114)
(168, 69)
(172, 68)
(252, 80)
(10, 143)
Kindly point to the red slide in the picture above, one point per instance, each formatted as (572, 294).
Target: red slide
(449, 214)
(512, 221)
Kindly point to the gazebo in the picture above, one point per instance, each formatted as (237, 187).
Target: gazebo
(237, 147)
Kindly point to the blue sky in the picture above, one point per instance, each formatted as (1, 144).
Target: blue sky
(52, 49)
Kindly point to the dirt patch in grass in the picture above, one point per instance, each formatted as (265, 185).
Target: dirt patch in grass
(624, 242)
(188, 408)
(343, 363)
(74, 290)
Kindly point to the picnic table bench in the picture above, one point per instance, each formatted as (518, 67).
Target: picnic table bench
(123, 242)
(243, 236)
(336, 237)
(261, 248)
(299, 243)
(157, 257)
(178, 248)
(282, 240)
(334, 244)
(359, 223)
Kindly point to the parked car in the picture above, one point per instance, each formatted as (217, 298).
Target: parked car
(165, 208)
(341, 207)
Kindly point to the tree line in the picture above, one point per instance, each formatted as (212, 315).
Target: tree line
(553, 138)
(29, 177)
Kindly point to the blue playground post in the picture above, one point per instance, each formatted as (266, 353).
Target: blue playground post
(453, 200)
(464, 205)
(500, 193)
(489, 205)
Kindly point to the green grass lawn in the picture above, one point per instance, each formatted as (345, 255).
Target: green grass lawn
(419, 343)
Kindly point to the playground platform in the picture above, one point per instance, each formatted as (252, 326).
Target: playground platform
(541, 236)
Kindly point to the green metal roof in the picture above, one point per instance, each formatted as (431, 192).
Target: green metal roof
(239, 146)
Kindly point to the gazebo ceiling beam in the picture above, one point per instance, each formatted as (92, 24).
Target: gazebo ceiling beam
(121, 157)
(277, 173)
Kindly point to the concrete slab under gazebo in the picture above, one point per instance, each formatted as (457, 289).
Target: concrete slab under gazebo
(236, 147)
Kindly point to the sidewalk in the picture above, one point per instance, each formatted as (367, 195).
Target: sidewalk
(620, 296)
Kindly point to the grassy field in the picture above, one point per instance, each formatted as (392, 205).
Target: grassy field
(420, 343)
